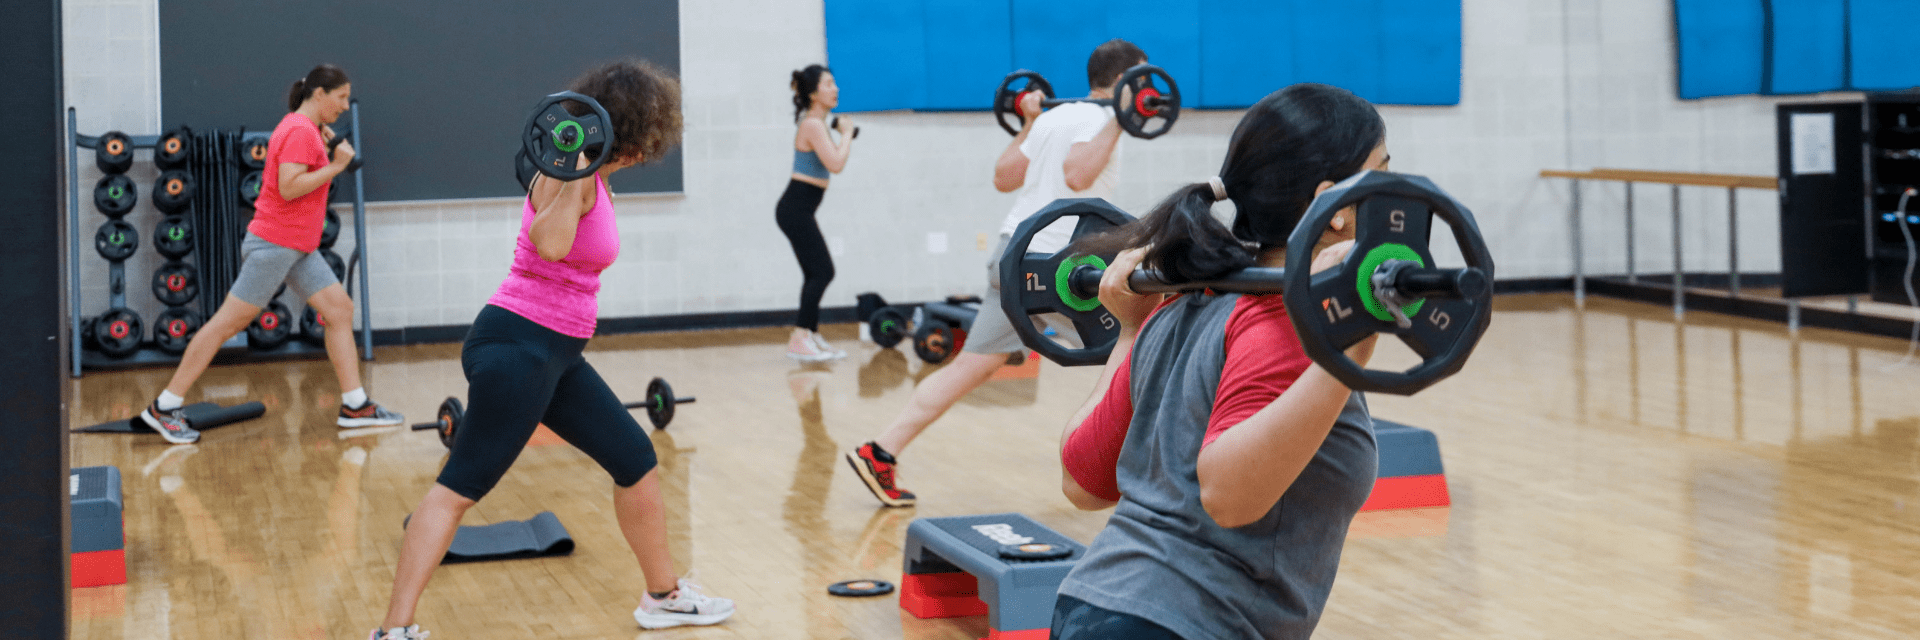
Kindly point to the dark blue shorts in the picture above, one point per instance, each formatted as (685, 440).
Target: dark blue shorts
(521, 375)
(1074, 619)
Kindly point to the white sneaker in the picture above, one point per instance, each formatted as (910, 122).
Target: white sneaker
(399, 633)
(820, 342)
(807, 350)
(686, 605)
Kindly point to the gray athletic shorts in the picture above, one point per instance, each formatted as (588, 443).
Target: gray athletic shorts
(992, 331)
(264, 265)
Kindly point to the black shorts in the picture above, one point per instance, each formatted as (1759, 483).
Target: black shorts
(520, 375)
(1074, 619)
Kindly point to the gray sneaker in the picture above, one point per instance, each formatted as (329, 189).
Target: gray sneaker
(370, 415)
(172, 425)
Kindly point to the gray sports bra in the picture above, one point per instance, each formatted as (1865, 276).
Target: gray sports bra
(807, 163)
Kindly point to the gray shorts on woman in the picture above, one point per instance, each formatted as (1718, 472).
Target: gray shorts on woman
(264, 265)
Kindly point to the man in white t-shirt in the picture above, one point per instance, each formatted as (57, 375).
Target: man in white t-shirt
(1065, 152)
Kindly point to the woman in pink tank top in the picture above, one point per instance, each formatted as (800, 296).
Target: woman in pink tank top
(524, 367)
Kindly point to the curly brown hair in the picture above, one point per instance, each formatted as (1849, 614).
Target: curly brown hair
(642, 99)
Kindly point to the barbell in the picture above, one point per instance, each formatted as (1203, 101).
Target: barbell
(1145, 101)
(659, 404)
(1387, 284)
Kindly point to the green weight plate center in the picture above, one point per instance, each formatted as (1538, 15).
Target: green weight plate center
(560, 141)
(1067, 296)
(1375, 257)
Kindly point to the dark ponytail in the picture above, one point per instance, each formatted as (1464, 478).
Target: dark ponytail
(804, 83)
(1285, 146)
(325, 77)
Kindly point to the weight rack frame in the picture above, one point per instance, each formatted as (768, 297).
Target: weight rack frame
(148, 357)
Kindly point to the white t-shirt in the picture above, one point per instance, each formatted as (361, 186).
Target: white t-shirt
(1046, 148)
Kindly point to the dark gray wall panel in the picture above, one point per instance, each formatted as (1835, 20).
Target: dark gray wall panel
(443, 86)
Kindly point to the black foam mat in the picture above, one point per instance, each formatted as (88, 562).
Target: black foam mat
(200, 415)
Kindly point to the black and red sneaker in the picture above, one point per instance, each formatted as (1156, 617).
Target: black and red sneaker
(875, 468)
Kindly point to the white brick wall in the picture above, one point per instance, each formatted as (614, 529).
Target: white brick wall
(1546, 84)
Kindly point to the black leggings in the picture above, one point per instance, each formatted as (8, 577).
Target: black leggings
(1074, 619)
(520, 374)
(795, 215)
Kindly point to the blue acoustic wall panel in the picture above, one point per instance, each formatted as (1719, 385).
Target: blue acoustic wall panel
(877, 49)
(1419, 52)
(1722, 46)
(1338, 43)
(1054, 37)
(1808, 51)
(1245, 52)
(1168, 30)
(1885, 54)
(969, 49)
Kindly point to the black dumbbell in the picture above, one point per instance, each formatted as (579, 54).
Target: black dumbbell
(836, 126)
(1145, 102)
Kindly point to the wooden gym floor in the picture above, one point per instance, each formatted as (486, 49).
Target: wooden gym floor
(1614, 475)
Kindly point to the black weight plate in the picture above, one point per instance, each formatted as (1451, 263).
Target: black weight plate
(312, 328)
(173, 237)
(1393, 209)
(173, 191)
(113, 152)
(523, 170)
(250, 189)
(114, 195)
(887, 326)
(860, 588)
(1030, 283)
(116, 240)
(117, 332)
(334, 262)
(1006, 99)
(936, 344)
(554, 138)
(449, 417)
(175, 328)
(174, 149)
(271, 328)
(1034, 551)
(251, 151)
(1151, 109)
(176, 283)
(330, 229)
(660, 403)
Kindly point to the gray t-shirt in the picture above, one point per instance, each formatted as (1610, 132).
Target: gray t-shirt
(1161, 557)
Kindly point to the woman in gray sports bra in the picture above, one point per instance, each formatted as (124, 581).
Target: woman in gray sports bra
(816, 156)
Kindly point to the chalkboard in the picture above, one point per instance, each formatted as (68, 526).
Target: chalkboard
(443, 86)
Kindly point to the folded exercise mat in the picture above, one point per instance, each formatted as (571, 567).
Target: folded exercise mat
(536, 537)
(200, 415)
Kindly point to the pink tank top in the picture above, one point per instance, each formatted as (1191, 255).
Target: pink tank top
(562, 295)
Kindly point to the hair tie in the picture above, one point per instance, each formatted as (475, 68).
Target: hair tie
(1219, 188)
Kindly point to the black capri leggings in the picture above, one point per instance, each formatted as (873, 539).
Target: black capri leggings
(795, 215)
(520, 374)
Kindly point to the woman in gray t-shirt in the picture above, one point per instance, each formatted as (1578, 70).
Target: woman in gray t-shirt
(1233, 462)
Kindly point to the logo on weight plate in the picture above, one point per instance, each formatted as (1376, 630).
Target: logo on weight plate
(1033, 282)
(1001, 533)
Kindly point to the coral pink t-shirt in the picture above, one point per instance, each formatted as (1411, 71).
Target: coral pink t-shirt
(294, 224)
(563, 295)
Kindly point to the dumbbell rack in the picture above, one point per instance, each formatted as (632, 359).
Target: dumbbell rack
(213, 286)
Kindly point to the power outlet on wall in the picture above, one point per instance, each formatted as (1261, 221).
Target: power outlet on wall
(980, 242)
